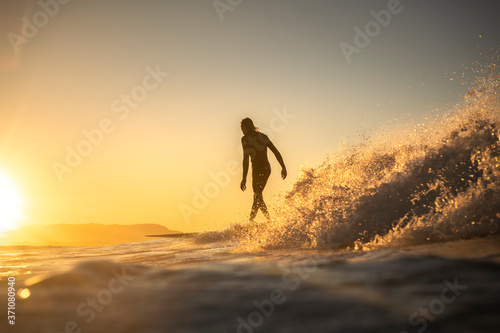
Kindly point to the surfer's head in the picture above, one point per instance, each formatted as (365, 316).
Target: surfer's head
(247, 126)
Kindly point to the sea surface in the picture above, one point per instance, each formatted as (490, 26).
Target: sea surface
(399, 232)
(179, 285)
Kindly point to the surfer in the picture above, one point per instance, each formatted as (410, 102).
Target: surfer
(255, 146)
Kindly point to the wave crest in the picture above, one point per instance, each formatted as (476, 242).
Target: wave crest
(430, 183)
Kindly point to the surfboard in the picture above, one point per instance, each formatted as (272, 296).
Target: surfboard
(177, 235)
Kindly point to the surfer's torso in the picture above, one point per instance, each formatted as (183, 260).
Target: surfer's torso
(255, 144)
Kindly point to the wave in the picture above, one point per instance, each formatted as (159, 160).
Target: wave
(433, 182)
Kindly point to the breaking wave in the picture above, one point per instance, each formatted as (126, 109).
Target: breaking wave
(435, 182)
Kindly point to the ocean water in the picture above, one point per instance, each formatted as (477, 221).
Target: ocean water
(397, 233)
(181, 285)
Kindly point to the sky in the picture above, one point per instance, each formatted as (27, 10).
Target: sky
(128, 111)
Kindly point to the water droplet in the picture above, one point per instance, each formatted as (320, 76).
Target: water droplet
(24, 293)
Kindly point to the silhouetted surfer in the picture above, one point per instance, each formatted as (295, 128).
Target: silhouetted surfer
(255, 145)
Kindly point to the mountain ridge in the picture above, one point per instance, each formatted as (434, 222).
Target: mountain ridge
(82, 234)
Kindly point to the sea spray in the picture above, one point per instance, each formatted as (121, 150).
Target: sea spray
(434, 182)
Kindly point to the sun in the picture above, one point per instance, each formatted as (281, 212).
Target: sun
(11, 204)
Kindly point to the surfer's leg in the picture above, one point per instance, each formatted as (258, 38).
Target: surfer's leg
(255, 207)
(259, 181)
(258, 203)
(263, 207)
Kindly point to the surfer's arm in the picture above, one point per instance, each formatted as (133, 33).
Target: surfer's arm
(246, 155)
(279, 158)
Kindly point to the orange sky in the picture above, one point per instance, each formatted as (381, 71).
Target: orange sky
(160, 88)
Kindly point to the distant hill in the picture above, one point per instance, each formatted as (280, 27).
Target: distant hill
(81, 234)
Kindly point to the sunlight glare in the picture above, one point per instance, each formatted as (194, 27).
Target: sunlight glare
(10, 204)
(24, 293)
